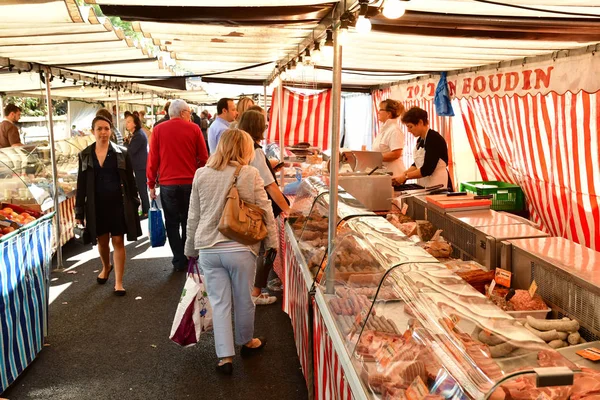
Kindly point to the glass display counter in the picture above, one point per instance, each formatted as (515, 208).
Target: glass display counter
(409, 325)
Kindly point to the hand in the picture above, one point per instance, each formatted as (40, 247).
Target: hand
(78, 222)
(153, 194)
(398, 180)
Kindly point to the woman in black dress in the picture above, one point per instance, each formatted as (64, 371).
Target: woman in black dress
(138, 151)
(107, 199)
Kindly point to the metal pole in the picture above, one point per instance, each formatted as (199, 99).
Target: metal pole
(334, 160)
(152, 108)
(118, 121)
(68, 132)
(280, 123)
(59, 258)
(265, 99)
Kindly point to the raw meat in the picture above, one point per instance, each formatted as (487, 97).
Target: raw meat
(522, 301)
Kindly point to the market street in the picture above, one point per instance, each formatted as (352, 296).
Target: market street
(101, 346)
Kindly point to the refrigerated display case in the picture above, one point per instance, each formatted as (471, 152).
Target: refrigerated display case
(405, 322)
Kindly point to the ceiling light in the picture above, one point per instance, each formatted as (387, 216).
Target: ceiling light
(309, 68)
(300, 65)
(328, 47)
(316, 53)
(343, 33)
(307, 55)
(293, 65)
(393, 9)
(363, 25)
(283, 74)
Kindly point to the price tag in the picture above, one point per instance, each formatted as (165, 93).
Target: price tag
(385, 354)
(532, 289)
(503, 277)
(407, 335)
(404, 208)
(491, 288)
(591, 353)
(417, 390)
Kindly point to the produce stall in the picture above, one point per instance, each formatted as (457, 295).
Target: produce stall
(26, 176)
(25, 256)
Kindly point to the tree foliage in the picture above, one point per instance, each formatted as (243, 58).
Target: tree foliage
(34, 107)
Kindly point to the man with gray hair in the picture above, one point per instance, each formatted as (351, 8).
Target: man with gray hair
(177, 150)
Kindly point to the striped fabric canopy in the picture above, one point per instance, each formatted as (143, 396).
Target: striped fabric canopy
(548, 145)
(306, 118)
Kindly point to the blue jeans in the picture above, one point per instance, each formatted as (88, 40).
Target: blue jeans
(226, 274)
(175, 200)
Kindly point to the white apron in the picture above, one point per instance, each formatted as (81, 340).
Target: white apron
(382, 144)
(440, 174)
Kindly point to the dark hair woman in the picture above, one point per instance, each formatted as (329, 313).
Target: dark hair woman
(254, 123)
(107, 200)
(138, 151)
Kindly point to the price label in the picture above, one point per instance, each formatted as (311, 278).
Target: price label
(591, 353)
(407, 335)
(417, 390)
(404, 208)
(503, 277)
(491, 288)
(532, 289)
(385, 355)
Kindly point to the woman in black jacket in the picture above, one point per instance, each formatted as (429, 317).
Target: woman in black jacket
(138, 151)
(107, 199)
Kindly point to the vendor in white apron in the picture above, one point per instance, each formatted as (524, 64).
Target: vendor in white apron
(431, 153)
(390, 140)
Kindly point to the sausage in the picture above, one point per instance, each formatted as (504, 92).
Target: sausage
(557, 344)
(547, 336)
(548, 325)
(563, 335)
(501, 350)
(574, 338)
(488, 339)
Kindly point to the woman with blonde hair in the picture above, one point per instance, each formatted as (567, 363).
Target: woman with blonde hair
(390, 141)
(229, 267)
(243, 104)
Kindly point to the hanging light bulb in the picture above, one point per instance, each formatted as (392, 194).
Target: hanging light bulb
(283, 74)
(363, 25)
(309, 68)
(316, 53)
(300, 65)
(328, 48)
(393, 9)
(343, 33)
(307, 55)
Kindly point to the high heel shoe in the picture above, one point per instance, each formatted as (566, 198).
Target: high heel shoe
(102, 281)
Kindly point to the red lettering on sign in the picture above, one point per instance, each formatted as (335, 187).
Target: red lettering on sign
(431, 87)
(452, 88)
(541, 76)
(417, 90)
(527, 79)
(479, 84)
(512, 80)
(495, 88)
(410, 90)
(466, 85)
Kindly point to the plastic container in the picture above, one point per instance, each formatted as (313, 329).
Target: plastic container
(505, 196)
(537, 314)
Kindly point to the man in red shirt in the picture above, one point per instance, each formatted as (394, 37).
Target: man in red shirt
(177, 150)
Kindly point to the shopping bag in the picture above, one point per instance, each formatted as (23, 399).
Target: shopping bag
(156, 226)
(194, 313)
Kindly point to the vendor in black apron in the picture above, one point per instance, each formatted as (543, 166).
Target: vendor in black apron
(431, 153)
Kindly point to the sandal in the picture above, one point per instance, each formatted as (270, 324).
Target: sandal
(102, 281)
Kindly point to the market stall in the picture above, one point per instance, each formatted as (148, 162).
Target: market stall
(26, 256)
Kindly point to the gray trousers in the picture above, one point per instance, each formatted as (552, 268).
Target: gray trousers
(230, 275)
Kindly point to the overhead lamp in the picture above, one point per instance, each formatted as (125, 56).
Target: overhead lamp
(393, 9)
(328, 48)
(343, 33)
(283, 74)
(300, 65)
(293, 65)
(316, 53)
(307, 56)
(363, 25)
(309, 68)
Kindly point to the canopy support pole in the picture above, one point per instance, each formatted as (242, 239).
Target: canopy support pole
(280, 123)
(265, 99)
(152, 107)
(59, 257)
(118, 121)
(334, 159)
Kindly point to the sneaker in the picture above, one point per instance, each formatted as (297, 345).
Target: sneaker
(275, 285)
(264, 299)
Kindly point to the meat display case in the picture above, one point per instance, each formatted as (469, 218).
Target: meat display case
(567, 275)
(400, 321)
(477, 234)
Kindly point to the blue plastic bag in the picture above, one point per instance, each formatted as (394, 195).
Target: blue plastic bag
(156, 226)
(291, 188)
(442, 101)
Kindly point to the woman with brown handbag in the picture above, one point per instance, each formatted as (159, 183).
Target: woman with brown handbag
(228, 266)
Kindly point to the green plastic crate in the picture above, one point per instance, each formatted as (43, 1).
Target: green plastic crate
(505, 196)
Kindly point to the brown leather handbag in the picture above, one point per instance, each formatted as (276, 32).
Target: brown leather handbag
(241, 221)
